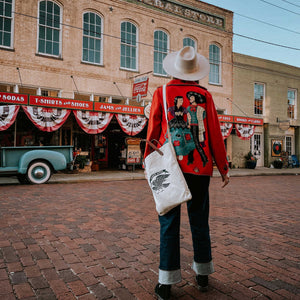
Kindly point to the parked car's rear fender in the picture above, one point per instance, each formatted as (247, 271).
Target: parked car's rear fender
(55, 159)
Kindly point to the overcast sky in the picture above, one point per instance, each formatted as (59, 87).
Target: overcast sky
(280, 13)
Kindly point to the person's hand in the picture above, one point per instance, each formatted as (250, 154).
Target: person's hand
(225, 179)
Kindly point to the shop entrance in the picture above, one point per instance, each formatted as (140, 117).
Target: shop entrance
(116, 145)
(257, 148)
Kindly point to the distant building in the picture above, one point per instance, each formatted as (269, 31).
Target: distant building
(268, 90)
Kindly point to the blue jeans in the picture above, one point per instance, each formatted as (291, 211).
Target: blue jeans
(198, 212)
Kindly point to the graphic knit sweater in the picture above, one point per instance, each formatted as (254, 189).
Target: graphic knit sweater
(194, 127)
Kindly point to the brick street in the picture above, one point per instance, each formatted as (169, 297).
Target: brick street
(100, 240)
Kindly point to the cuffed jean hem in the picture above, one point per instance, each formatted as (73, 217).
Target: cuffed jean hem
(203, 268)
(169, 277)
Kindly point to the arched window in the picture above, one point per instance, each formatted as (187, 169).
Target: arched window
(215, 64)
(187, 41)
(92, 38)
(128, 46)
(161, 45)
(6, 23)
(49, 31)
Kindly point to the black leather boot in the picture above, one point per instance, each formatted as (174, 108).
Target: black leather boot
(202, 281)
(163, 291)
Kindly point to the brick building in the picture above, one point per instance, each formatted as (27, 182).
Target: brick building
(93, 50)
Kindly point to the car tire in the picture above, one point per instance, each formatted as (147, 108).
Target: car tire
(38, 172)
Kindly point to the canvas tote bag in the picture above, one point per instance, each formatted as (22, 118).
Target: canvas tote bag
(164, 175)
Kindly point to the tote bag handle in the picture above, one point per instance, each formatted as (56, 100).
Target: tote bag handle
(166, 111)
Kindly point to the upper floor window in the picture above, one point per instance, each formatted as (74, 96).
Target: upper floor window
(92, 38)
(128, 46)
(6, 23)
(215, 64)
(187, 41)
(259, 95)
(161, 45)
(291, 109)
(49, 31)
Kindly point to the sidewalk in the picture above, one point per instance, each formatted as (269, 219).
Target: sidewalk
(117, 175)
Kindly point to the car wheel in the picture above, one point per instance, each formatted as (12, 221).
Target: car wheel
(38, 172)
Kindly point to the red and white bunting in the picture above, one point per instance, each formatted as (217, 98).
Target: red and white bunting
(131, 124)
(226, 129)
(8, 114)
(244, 131)
(92, 122)
(47, 119)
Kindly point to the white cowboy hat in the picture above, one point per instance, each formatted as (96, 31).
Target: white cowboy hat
(186, 64)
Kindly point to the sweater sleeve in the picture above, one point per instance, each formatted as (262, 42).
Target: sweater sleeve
(216, 141)
(155, 120)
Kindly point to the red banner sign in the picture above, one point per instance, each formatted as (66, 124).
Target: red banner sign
(250, 121)
(60, 103)
(13, 98)
(140, 87)
(118, 108)
(240, 120)
(225, 118)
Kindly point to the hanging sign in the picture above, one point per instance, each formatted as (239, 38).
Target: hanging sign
(140, 88)
(60, 103)
(13, 98)
(8, 114)
(147, 110)
(118, 108)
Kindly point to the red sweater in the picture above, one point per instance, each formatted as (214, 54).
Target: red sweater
(196, 143)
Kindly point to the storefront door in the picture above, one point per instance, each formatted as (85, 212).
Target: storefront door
(257, 148)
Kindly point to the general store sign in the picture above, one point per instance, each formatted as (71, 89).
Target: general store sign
(140, 87)
(60, 103)
(118, 108)
(187, 12)
(11, 98)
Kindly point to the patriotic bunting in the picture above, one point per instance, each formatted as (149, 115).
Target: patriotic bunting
(244, 131)
(47, 119)
(8, 114)
(93, 122)
(226, 129)
(131, 124)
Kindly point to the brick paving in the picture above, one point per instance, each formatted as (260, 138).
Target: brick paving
(100, 240)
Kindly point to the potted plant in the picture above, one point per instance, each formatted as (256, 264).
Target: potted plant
(251, 161)
(81, 160)
(278, 164)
